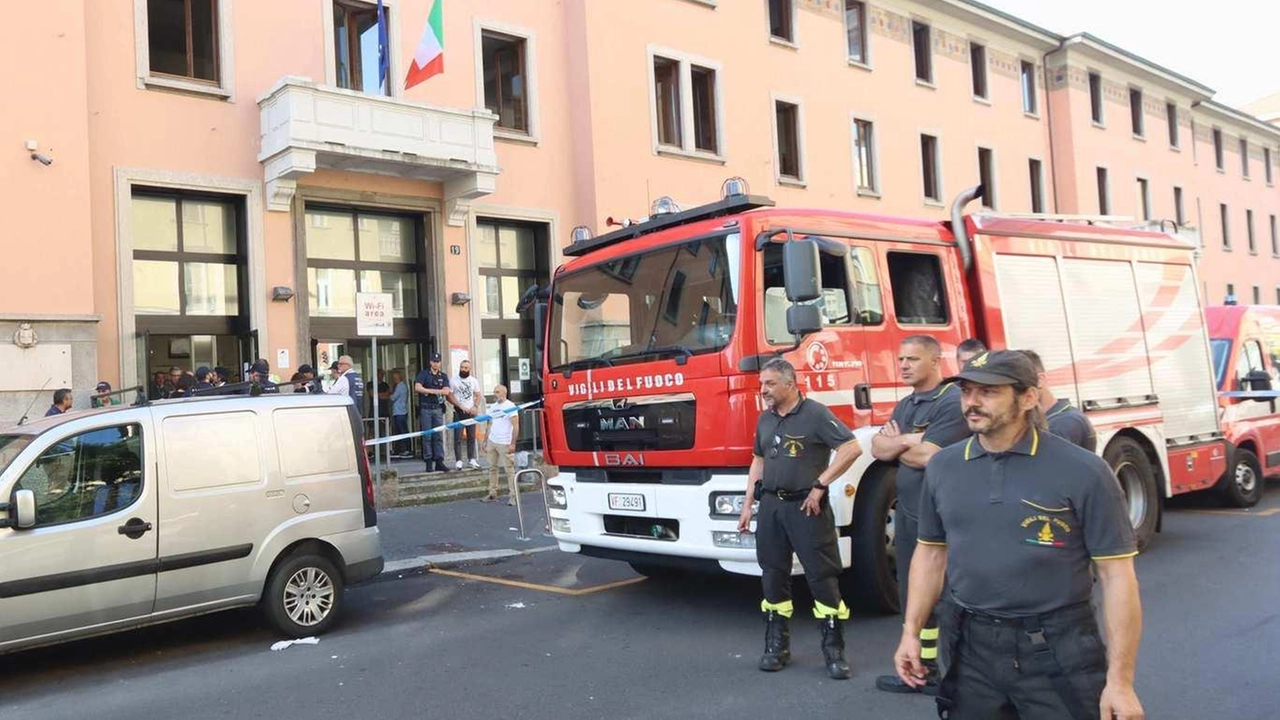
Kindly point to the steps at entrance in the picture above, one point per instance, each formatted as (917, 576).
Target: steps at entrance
(421, 488)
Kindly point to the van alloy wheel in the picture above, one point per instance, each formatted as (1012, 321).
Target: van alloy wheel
(308, 596)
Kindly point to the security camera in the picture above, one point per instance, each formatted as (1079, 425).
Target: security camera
(42, 158)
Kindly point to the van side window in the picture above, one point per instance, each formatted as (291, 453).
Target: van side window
(919, 294)
(87, 475)
(1248, 360)
(833, 276)
(868, 307)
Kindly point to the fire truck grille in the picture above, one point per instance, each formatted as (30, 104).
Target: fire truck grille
(640, 424)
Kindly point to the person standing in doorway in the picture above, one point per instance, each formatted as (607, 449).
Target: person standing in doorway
(500, 443)
(156, 390)
(923, 423)
(399, 414)
(432, 388)
(349, 383)
(202, 379)
(61, 402)
(467, 402)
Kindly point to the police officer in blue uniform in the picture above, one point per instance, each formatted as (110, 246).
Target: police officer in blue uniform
(432, 387)
(1013, 518)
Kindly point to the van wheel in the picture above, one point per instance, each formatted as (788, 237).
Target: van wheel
(1138, 481)
(303, 596)
(1242, 485)
(871, 584)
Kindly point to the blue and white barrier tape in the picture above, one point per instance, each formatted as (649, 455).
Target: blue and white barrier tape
(453, 425)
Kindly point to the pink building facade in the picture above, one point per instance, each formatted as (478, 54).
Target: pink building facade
(227, 174)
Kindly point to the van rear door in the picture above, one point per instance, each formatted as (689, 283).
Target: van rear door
(90, 561)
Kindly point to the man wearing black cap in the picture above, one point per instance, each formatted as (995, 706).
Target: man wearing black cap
(102, 396)
(432, 387)
(1013, 518)
(260, 376)
(202, 379)
(308, 373)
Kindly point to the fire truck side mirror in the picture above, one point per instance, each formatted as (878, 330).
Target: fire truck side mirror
(539, 332)
(800, 270)
(803, 319)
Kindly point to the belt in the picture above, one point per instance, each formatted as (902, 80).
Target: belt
(1064, 615)
(788, 495)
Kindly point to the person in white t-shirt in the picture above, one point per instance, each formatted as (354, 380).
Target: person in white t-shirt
(500, 444)
(468, 402)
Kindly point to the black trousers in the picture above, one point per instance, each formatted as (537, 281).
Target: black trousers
(905, 531)
(781, 529)
(1002, 669)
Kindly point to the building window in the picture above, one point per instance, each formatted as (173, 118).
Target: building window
(1231, 291)
(788, 138)
(186, 255)
(686, 105)
(930, 172)
(781, 22)
(1037, 185)
(855, 30)
(864, 156)
(1104, 193)
(666, 81)
(1144, 198)
(987, 178)
(1095, 97)
(182, 38)
(1248, 228)
(506, 80)
(1257, 295)
(1275, 241)
(1171, 113)
(1266, 164)
(355, 47)
(350, 251)
(1029, 100)
(1135, 112)
(1219, 157)
(978, 69)
(922, 43)
(1244, 157)
(1179, 215)
(1226, 230)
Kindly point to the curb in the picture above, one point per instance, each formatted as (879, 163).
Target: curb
(445, 560)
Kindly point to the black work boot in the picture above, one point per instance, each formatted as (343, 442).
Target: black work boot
(777, 642)
(833, 648)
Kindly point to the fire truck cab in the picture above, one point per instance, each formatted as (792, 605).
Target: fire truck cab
(1245, 340)
(655, 334)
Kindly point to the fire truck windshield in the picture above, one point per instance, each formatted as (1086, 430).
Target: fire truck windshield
(680, 299)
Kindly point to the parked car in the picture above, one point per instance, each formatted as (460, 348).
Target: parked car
(1245, 340)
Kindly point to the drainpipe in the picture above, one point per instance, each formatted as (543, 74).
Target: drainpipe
(958, 227)
(1048, 113)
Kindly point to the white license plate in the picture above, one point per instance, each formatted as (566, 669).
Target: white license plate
(626, 501)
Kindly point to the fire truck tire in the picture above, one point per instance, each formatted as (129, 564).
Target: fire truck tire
(871, 584)
(1138, 481)
(1243, 484)
(656, 572)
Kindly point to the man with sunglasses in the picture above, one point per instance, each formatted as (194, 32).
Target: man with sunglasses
(791, 470)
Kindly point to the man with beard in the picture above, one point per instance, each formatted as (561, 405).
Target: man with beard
(791, 468)
(1013, 518)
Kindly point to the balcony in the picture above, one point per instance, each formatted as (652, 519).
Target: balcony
(307, 126)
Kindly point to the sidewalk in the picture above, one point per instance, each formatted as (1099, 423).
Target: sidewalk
(457, 532)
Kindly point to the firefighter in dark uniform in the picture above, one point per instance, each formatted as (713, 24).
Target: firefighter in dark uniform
(923, 423)
(1013, 517)
(791, 470)
(1065, 420)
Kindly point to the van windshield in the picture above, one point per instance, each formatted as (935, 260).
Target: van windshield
(10, 447)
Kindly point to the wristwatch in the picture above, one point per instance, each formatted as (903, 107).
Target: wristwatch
(819, 486)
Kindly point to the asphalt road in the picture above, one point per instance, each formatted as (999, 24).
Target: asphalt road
(566, 637)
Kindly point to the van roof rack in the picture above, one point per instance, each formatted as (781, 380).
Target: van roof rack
(728, 206)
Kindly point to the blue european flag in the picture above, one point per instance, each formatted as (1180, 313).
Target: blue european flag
(384, 48)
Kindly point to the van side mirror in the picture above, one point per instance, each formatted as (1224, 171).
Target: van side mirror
(22, 510)
(1258, 380)
(800, 270)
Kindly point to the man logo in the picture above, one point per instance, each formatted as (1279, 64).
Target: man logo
(634, 422)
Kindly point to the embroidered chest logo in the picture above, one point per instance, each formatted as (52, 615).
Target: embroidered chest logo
(791, 445)
(1044, 528)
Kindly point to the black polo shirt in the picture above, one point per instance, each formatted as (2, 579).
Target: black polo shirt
(937, 414)
(1067, 422)
(432, 381)
(797, 447)
(1022, 526)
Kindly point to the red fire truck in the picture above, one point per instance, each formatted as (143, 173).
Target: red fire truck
(1245, 340)
(655, 333)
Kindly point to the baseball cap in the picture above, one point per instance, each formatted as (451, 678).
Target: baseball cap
(202, 372)
(1000, 367)
(103, 386)
(261, 367)
(304, 368)
(334, 366)
(435, 357)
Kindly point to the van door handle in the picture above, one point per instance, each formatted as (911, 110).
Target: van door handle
(862, 396)
(134, 529)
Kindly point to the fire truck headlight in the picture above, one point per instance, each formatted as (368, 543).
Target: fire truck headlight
(557, 499)
(744, 541)
(560, 525)
(729, 505)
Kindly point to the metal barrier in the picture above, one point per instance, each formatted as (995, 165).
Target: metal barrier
(515, 493)
(534, 417)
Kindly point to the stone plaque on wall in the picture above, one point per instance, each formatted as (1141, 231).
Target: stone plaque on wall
(46, 365)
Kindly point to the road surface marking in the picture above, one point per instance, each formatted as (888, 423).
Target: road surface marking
(535, 586)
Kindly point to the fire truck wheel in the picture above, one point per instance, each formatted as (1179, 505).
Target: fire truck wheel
(1138, 480)
(1242, 485)
(656, 572)
(871, 584)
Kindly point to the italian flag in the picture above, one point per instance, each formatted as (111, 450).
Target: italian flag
(428, 58)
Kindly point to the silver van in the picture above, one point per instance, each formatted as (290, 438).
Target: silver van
(126, 516)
